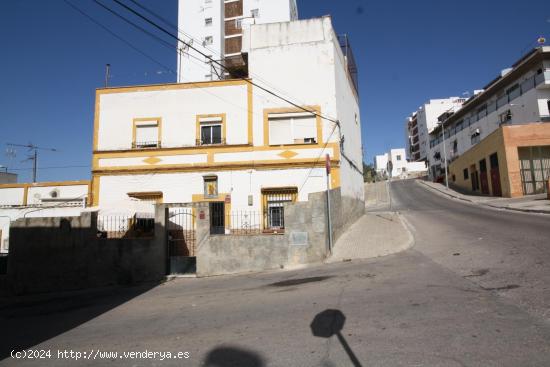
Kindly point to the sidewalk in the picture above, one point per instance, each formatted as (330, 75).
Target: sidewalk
(530, 204)
(374, 234)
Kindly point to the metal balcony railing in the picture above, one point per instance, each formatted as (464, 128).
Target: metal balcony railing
(210, 142)
(350, 60)
(146, 145)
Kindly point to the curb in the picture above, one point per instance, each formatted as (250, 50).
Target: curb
(522, 210)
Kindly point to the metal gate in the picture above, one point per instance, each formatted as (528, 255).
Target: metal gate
(535, 168)
(181, 240)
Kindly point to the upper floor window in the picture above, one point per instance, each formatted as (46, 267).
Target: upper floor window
(211, 129)
(398, 158)
(292, 128)
(208, 40)
(146, 133)
(208, 22)
(255, 13)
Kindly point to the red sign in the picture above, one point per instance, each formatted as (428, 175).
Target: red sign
(327, 163)
(228, 199)
(201, 214)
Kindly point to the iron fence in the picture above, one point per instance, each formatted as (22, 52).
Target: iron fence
(247, 223)
(126, 226)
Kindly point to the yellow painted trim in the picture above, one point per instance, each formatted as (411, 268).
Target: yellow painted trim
(198, 119)
(335, 177)
(282, 163)
(173, 86)
(144, 119)
(316, 109)
(95, 190)
(25, 195)
(250, 91)
(44, 184)
(169, 86)
(157, 195)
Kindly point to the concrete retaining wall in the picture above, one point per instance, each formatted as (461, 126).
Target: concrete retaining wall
(305, 240)
(59, 254)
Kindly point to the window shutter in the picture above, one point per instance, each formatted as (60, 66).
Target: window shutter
(147, 133)
(305, 127)
(280, 131)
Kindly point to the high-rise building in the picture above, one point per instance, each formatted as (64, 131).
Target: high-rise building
(215, 27)
(421, 123)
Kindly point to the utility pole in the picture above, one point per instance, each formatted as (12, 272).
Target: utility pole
(34, 157)
(329, 224)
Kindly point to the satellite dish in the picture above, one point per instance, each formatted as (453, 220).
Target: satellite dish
(541, 40)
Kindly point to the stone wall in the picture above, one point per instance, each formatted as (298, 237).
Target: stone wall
(59, 254)
(305, 240)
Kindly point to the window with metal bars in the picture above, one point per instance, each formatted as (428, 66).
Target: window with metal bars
(273, 206)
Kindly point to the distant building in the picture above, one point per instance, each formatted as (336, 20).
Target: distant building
(6, 177)
(494, 143)
(216, 27)
(395, 165)
(40, 199)
(421, 123)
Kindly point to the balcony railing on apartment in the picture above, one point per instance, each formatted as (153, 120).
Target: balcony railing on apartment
(211, 142)
(146, 145)
(495, 105)
(350, 60)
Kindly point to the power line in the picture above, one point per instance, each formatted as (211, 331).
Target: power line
(211, 49)
(116, 35)
(162, 29)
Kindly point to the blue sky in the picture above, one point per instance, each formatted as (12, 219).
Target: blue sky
(407, 52)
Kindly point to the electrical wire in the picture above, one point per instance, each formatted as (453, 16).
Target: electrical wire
(162, 29)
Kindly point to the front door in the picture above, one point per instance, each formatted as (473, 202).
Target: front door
(217, 218)
(483, 178)
(495, 175)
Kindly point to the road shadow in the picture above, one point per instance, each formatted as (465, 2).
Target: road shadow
(331, 322)
(31, 320)
(228, 356)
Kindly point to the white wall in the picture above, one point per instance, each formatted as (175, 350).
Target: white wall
(179, 187)
(178, 110)
(8, 215)
(12, 196)
(191, 22)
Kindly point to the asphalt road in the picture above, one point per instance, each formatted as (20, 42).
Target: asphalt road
(428, 306)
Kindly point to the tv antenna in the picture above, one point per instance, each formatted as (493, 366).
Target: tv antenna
(33, 149)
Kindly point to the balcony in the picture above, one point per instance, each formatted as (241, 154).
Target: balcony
(146, 145)
(216, 142)
(542, 80)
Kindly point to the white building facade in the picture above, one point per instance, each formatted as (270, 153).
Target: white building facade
(395, 165)
(45, 199)
(519, 95)
(215, 27)
(229, 141)
(421, 123)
